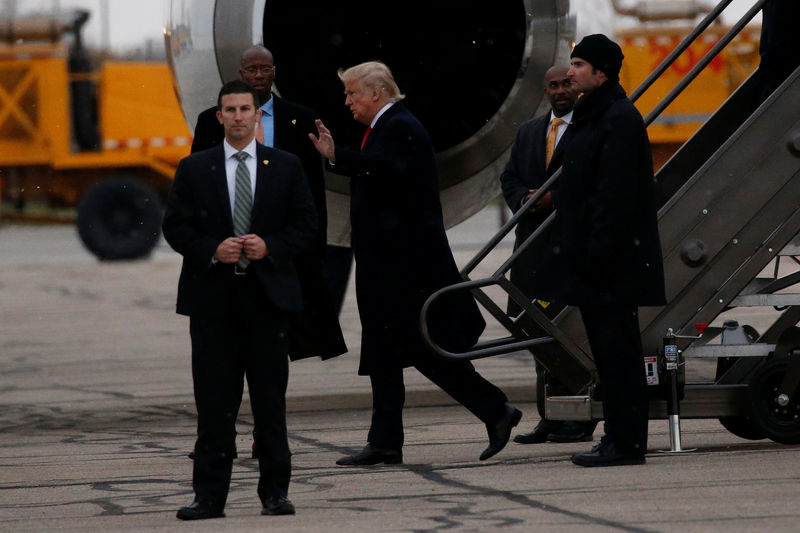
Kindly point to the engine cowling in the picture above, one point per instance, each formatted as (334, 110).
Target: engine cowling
(472, 72)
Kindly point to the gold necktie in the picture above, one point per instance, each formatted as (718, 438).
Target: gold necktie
(550, 147)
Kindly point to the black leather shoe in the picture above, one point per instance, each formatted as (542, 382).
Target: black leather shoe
(573, 432)
(200, 510)
(500, 431)
(606, 454)
(372, 455)
(540, 433)
(277, 505)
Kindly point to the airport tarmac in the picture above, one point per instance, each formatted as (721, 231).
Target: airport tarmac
(97, 417)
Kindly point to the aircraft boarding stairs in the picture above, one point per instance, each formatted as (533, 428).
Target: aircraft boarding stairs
(730, 208)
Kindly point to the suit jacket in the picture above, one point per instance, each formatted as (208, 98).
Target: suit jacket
(603, 247)
(315, 331)
(400, 246)
(198, 218)
(293, 123)
(526, 170)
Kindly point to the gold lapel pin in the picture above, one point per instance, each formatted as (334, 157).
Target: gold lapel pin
(266, 162)
(294, 121)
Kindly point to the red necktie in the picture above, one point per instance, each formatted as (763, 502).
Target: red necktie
(366, 134)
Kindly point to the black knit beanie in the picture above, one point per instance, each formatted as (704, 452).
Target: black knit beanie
(602, 53)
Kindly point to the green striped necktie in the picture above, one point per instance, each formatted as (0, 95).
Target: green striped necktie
(242, 203)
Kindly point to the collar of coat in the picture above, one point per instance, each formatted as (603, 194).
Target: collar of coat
(596, 102)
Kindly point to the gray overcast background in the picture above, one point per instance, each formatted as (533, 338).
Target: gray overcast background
(132, 23)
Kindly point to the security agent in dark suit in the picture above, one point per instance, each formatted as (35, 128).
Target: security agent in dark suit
(286, 125)
(238, 225)
(603, 252)
(526, 171)
(402, 257)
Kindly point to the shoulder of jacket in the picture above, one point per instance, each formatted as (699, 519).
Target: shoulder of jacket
(285, 104)
(206, 113)
(277, 154)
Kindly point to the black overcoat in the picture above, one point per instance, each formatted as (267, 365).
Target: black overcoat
(400, 246)
(603, 247)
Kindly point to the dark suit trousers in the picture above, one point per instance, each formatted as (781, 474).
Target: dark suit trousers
(616, 344)
(458, 379)
(250, 341)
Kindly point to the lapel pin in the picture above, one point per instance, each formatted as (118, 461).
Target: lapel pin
(294, 121)
(266, 162)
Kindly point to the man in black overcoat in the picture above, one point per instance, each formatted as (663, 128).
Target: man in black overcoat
(285, 125)
(535, 156)
(238, 214)
(402, 257)
(603, 253)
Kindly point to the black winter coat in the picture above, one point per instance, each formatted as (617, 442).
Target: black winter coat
(603, 247)
(400, 246)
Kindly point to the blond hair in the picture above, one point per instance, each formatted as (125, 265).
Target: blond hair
(373, 75)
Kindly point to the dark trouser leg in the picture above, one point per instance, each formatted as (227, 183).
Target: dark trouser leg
(264, 350)
(541, 383)
(267, 370)
(388, 397)
(616, 344)
(218, 382)
(460, 380)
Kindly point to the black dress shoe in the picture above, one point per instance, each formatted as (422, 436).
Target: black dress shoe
(277, 505)
(500, 431)
(541, 433)
(606, 454)
(200, 510)
(372, 455)
(573, 432)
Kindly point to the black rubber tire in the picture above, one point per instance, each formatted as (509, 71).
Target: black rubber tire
(742, 427)
(779, 423)
(120, 218)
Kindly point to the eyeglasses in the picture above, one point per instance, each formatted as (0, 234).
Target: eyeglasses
(255, 70)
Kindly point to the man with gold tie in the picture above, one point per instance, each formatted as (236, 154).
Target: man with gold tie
(535, 156)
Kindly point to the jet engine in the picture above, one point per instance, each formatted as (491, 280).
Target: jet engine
(472, 72)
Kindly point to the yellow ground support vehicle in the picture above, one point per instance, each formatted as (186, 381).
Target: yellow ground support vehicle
(108, 140)
(662, 26)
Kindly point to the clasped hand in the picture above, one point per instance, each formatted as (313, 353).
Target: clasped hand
(229, 250)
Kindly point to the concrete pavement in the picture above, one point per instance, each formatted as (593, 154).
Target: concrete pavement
(97, 415)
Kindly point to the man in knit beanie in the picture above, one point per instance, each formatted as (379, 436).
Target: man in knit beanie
(602, 53)
(603, 253)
